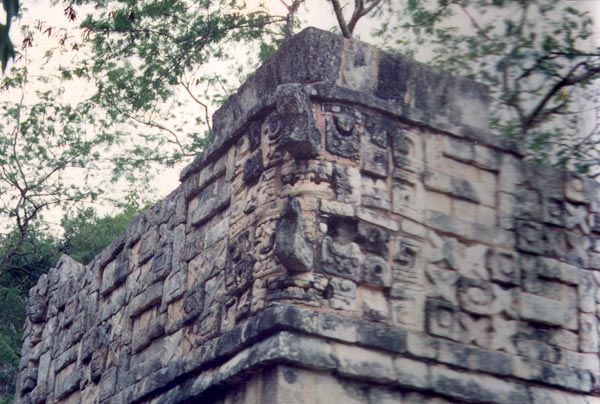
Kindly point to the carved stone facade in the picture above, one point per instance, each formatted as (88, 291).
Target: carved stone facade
(354, 235)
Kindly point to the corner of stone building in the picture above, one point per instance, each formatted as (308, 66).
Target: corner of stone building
(354, 233)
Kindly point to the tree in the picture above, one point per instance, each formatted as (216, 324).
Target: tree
(538, 60)
(7, 49)
(36, 254)
(85, 235)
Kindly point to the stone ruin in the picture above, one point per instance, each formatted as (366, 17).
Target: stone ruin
(355, 234)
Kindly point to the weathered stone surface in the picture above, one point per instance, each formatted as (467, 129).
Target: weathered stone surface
(253, 167)
(340, 258)
(415, 258)
(342, 135)
(476, 388)
(37, 305)
(377, 271)
(299, 135)
(543, 310)
(291, 246)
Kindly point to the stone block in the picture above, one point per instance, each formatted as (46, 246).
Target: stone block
(421, 345)
(445, 223)
(566, 378)
(540, 309)
(532, 348)
(376, 218)
(342, 137)
(67, 383)
(459, 149)
(339, 328)
(588, 333)
(407, 82)
(148, 298)
(487, 158)
(373, 239)
(367, 364)
(442, 318)
(376, 161)
(412, 374)
(381, 336)
(575, 188)
(476, 388)
(577, 249)
(503, 266)
(438, 202)
(408, 198)
(212, 200)
(340, 259)
(344, 391)
(335, 208)
(529, 237)
(586, 292)
(470, 357)
(253, 167)
(346, 182)
(374, 305)
(582, 361)
(375, 193)
(359, 61)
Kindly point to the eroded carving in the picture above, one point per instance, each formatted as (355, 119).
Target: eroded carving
(300, 137)
(291, 247)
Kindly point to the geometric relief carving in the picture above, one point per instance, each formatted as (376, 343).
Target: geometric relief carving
(553, 211)
(407, 262)
(407, 198)
(376, 161)
(342, 134)
(484, 298)
(443, 251)
(577, 249)
(340, 259)
(443, 283)
(377, 271)
(407, 307)
(475, 296)
(375, 193)
(504, 331)
(475, 330)
(271, 133)
(529, 236)
(503, 266)
(577, 218)
(442, 318)
(380, 129)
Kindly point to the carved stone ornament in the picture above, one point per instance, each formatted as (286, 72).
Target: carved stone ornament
(291, 247)
(300, 136)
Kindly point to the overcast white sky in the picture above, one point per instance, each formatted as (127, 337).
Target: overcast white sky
(315, 12)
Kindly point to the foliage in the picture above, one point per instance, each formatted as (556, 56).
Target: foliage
(85, 235)
(43, 142)
(538, 59)
(36, 255)
(7, 49)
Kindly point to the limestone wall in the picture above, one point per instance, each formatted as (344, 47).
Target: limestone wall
(354, 235)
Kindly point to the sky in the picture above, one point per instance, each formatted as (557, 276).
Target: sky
(315, 13)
